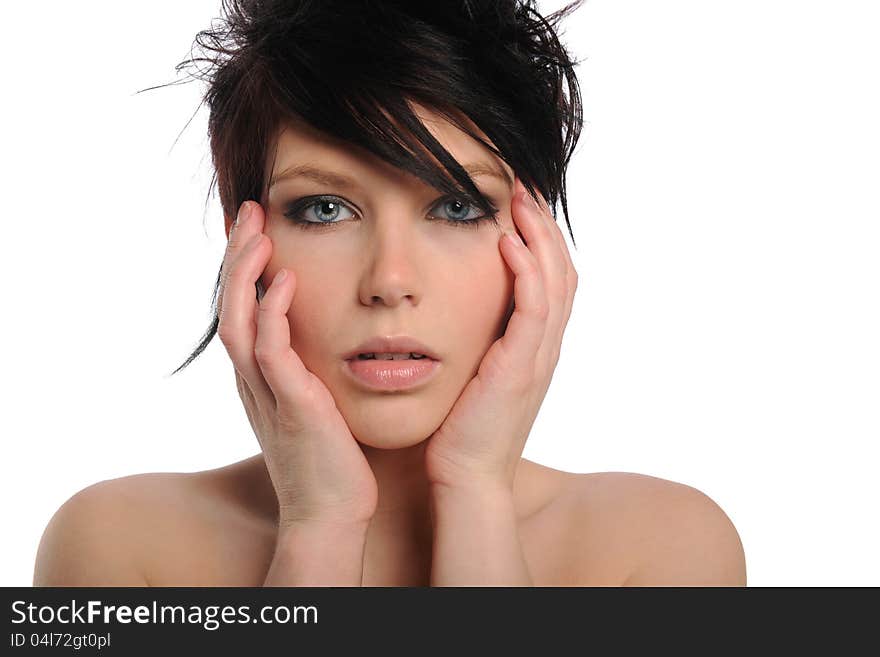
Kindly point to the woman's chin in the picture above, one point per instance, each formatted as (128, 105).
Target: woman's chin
(392, 432)
(394, 420)
(386, 442)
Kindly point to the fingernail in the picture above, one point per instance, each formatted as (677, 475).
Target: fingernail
(280, 276)
(536, 204)
(527, 198)
(244, 213)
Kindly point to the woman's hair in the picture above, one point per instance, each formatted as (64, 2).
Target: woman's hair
(352, 70)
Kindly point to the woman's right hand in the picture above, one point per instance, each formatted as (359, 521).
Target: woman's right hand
(317, 468)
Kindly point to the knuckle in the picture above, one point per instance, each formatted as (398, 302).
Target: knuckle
(225, 333)
(238, 240)
(235, 274)
(234, 244)
(263, 355)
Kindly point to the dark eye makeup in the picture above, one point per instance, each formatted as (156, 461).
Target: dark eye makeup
(324, 210)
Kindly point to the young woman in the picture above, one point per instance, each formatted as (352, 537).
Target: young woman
(393, 299)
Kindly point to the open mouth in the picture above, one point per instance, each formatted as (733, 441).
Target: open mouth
(378, 356)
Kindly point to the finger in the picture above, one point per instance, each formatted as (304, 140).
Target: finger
(279, 363)
(564, 256)
(563, 245)
(528, 322)
(552, 347)
(535, 225)
(571, 276)
(248, 224)
(570, 271)
(541, 242)
(237, 324)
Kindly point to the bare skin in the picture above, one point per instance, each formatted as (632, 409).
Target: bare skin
(218, 528)
(357, 488)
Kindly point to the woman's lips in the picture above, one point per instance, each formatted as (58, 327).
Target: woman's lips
(392, 375)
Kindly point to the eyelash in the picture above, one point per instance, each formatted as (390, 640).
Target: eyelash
(298, 206)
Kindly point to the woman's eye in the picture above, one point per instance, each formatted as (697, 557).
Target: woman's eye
(313, 211)
(453, 211)
(318, 211)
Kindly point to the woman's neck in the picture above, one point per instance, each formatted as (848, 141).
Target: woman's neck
(403, 484)
(399, 539)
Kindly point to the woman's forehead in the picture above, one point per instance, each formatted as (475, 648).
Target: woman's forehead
(300, 144)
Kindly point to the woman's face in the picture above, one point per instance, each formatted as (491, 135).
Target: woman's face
(387, 264)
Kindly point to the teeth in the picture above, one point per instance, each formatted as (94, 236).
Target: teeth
(407, 356)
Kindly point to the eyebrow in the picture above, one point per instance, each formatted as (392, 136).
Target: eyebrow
(332, 179)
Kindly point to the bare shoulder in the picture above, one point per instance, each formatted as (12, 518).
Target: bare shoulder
(142, 529)
(666, 533)
(90, 541)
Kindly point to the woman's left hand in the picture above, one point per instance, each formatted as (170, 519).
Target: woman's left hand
(482, 438)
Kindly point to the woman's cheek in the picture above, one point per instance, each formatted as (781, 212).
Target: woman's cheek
(490, 301)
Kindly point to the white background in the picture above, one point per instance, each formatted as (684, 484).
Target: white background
(725, 202)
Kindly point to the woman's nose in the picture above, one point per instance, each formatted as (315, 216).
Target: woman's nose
(392, 269)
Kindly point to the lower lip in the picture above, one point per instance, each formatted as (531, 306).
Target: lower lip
(390, 375)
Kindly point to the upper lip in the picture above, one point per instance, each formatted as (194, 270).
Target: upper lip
(400, 344)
